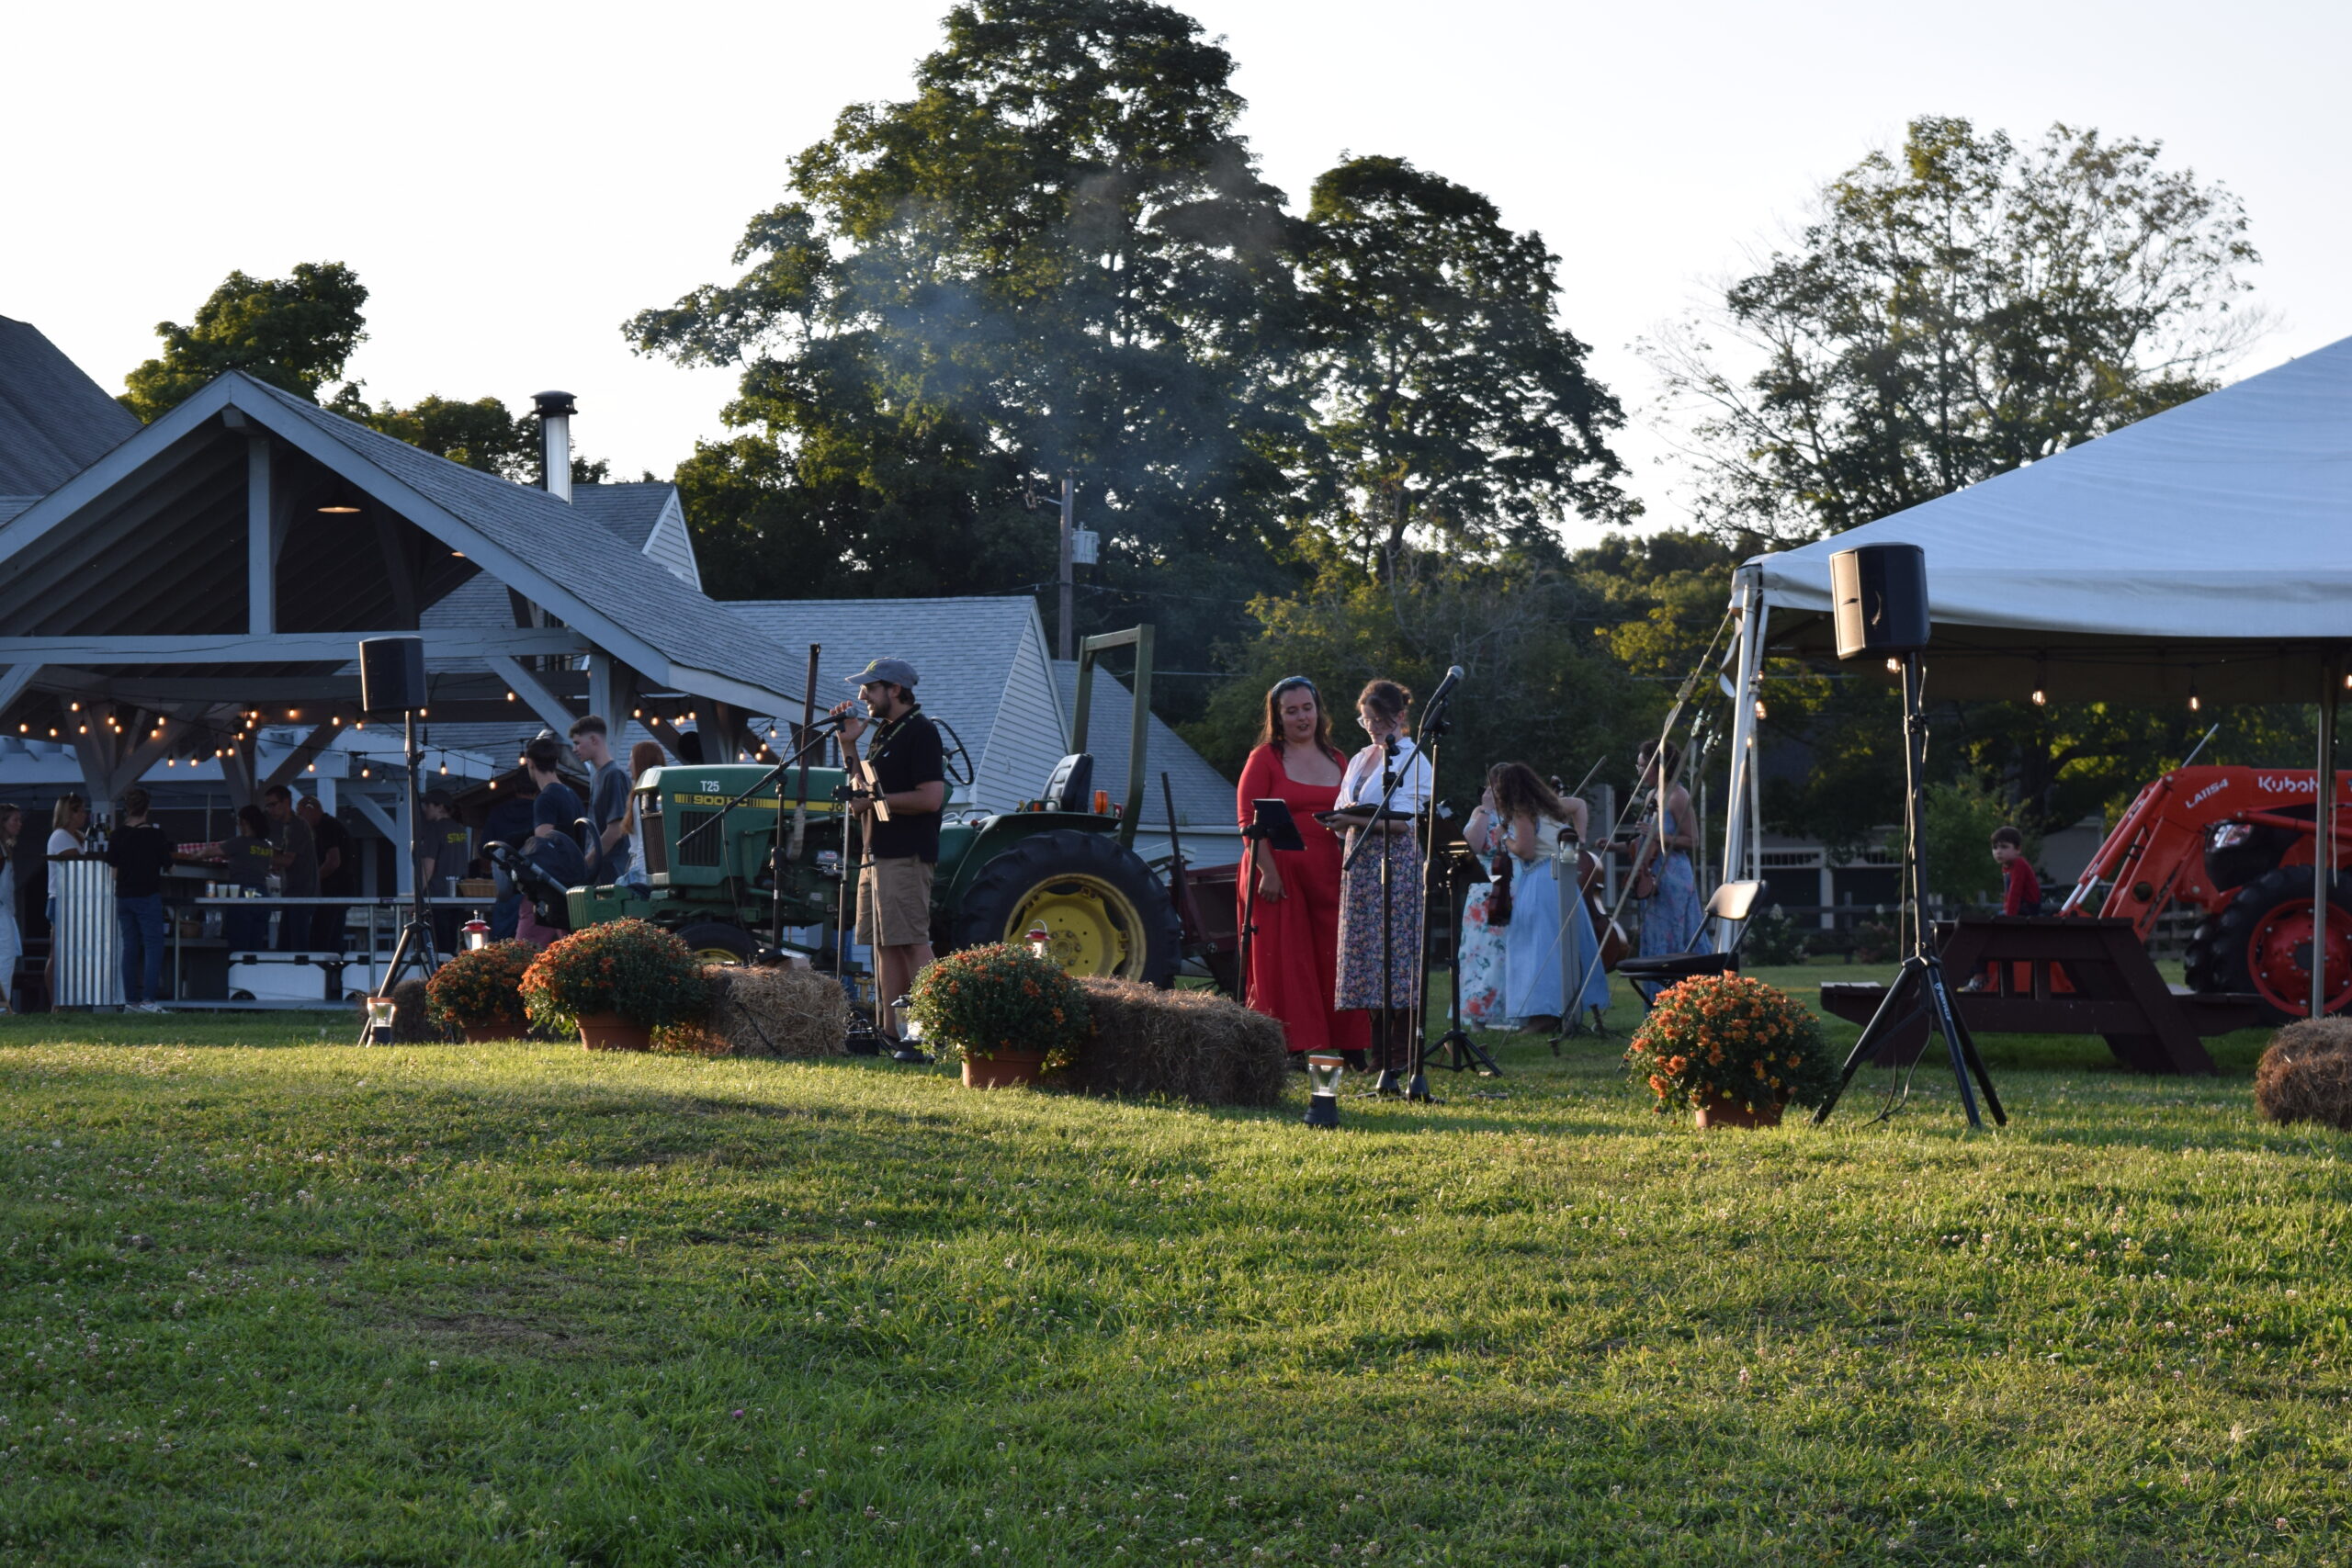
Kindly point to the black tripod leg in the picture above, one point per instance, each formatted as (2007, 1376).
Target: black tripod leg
(1966, 1061)
(1948, 1024)
(1897, 1008)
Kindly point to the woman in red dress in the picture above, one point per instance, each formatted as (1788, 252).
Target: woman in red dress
(1294, 959)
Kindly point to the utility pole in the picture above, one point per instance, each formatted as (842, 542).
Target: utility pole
(1063, 630)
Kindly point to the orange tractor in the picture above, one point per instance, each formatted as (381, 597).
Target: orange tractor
(2237, 844)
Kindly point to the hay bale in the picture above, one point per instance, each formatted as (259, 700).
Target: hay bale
(1193, 1044)
(773, 1012)
(2306, 1073)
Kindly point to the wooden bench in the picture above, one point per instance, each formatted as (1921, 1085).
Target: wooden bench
(2058, 976)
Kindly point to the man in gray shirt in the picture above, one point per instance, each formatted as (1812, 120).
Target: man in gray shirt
(608, 789)
(297, 867)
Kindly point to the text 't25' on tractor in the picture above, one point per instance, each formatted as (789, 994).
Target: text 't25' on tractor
(2237, 845)
(1061, 864)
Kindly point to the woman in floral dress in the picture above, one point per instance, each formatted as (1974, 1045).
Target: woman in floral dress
(1363, 982)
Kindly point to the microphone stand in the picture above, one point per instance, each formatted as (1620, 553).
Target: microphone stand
(1435, 723)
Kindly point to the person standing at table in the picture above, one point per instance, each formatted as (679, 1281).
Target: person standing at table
(140, 852)
(298, 869)
(68, 824)
(246, 859)
(444, 850)
(338, 875)
(1294, 954)
(12, 941)
(1384, 976)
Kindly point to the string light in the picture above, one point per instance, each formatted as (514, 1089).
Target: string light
(1759, 713)
(74, 707)
(2041, 697)
(510, 696)
(1893, 665)
(338, 721)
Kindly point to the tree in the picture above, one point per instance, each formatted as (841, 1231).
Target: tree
(1056, 256)
(484, 434)
(1451, 404)
(1955, 310)
(1538, 687)
(293, 332)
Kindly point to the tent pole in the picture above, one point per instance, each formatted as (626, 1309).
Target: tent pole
(1742, 827)
(2331, 684)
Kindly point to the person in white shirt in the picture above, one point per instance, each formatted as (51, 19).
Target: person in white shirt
(1383, 978)
(67, 824)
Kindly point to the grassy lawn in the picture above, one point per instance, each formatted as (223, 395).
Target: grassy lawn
(272, 1299)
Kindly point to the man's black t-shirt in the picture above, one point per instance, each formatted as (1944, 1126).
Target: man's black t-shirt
(906, 755)
(139, 856)
(343, 880)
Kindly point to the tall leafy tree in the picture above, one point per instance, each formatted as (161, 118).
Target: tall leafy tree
(1056, 257)
(1452, 405)
(1956, 308)
(294, 332)
(484, 434)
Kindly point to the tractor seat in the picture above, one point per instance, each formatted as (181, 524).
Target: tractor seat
(1071, 787)
(1732, 901)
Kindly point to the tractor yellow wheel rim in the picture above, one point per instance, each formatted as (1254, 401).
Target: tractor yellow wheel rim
(715, 954)
(1094, 928)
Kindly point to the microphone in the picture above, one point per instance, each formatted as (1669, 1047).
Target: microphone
(1444, 688)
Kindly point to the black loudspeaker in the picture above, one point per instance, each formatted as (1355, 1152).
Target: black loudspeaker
(1881, 593)
(391, 674)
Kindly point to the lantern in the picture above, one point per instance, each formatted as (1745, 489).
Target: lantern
(1041, 941)
(476, 933)
(380, 1011)
(1323, 1089)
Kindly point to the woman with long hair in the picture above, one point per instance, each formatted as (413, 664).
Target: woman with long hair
(1549, 942)
(12, 942)
(1672, 911)
(1384, 974)
(1294, 957)
(69, 826)
(643, 758)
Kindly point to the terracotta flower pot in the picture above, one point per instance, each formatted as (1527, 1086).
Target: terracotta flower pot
(1006, 1069)
(611, 1031)
(1734, 1114)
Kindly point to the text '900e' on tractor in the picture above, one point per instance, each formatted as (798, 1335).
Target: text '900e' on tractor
(1059, 864)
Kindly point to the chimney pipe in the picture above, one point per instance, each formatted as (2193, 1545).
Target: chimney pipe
(554, 410)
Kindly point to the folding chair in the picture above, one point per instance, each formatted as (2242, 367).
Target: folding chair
(1732, 901)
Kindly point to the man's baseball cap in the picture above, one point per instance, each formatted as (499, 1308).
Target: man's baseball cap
(898, 672)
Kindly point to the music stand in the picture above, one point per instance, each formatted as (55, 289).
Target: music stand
(1460, 869)
(1270, 824)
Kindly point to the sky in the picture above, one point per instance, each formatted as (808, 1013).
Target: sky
(512, 181)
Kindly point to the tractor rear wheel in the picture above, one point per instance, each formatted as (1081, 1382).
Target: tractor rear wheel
(2262, 943)
(714, 942)
(1106, 913)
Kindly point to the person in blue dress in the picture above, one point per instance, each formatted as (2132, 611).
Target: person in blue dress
(1672, 911)
(1551, 966)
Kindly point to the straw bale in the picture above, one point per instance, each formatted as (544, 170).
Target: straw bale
(1193, 1045)
(773, 1012)
(2306, 1074)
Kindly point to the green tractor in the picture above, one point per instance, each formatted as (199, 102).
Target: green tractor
(1058, 865)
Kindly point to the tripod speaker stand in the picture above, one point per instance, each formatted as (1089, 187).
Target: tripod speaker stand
(391, 680)
(1881, 601)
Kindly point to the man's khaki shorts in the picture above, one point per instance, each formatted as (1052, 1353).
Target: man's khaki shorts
(894, 902)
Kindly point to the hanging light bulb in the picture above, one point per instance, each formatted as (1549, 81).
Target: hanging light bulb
(445, 767)
(2193, 703)
(1893, 665)
(510, 696)
(338, 721)
(2041, 697)
(365, 775)
(84, 730)
(74, 707)
(293, 713)
(640, 713)
(1759, 708)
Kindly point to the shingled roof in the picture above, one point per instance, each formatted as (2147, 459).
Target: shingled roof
(54, 421)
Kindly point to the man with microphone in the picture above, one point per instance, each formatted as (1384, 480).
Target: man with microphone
(910, 770)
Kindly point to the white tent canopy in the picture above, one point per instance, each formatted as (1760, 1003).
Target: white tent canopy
(2207, 547)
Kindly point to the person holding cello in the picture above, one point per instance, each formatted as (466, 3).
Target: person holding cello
(1552, 965)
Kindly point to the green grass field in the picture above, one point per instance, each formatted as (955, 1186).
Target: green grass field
(273, 1299)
